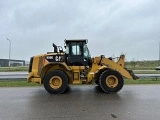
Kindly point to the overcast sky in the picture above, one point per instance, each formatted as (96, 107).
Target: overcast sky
(112, 27)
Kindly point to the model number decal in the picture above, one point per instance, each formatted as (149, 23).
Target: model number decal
(49, 57)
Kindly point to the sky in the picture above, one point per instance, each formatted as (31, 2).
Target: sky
(112, 27)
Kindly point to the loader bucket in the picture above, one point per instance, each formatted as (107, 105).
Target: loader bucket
(132, 74)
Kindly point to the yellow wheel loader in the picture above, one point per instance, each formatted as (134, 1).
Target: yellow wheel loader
(57, 69)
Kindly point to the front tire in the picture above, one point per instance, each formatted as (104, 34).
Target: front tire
(56, 82)
(111, 81)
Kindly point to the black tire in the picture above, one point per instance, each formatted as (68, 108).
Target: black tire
(51, 79)
(111, 81)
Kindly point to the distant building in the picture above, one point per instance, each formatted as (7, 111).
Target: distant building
(13, 63)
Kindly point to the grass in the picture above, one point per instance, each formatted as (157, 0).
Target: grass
(142, 81)
(16, 83)
(6, 69)
(24, 83)
(147, 72)
(142, 65)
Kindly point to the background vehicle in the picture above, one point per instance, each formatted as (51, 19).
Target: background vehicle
(75, 66)
(157, 68)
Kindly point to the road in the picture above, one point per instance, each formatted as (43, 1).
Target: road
(23, 75)
(82, 102)
(13, 75)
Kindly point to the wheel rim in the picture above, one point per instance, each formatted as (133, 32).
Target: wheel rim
(111, 81)
(55, 82)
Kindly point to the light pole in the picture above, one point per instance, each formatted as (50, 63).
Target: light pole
(159, 53)
(9, 53)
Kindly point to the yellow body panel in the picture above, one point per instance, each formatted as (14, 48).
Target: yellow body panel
(76, 70)
(37, 65)
(106, 63)
(41, 67)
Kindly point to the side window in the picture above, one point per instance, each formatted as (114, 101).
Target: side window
(86, 51)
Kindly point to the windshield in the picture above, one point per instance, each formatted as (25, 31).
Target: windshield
(76, 48)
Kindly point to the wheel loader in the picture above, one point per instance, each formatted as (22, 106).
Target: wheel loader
(74, 65)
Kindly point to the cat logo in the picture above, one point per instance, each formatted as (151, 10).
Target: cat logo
(56, 58)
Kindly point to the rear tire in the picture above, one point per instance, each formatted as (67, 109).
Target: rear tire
(111, 81)
(56, 82)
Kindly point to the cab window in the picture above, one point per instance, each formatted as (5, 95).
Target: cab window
(76, 49)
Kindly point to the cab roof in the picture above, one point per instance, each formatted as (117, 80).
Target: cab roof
(76, 40)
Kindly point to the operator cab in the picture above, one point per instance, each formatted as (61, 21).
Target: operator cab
(77, 53)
